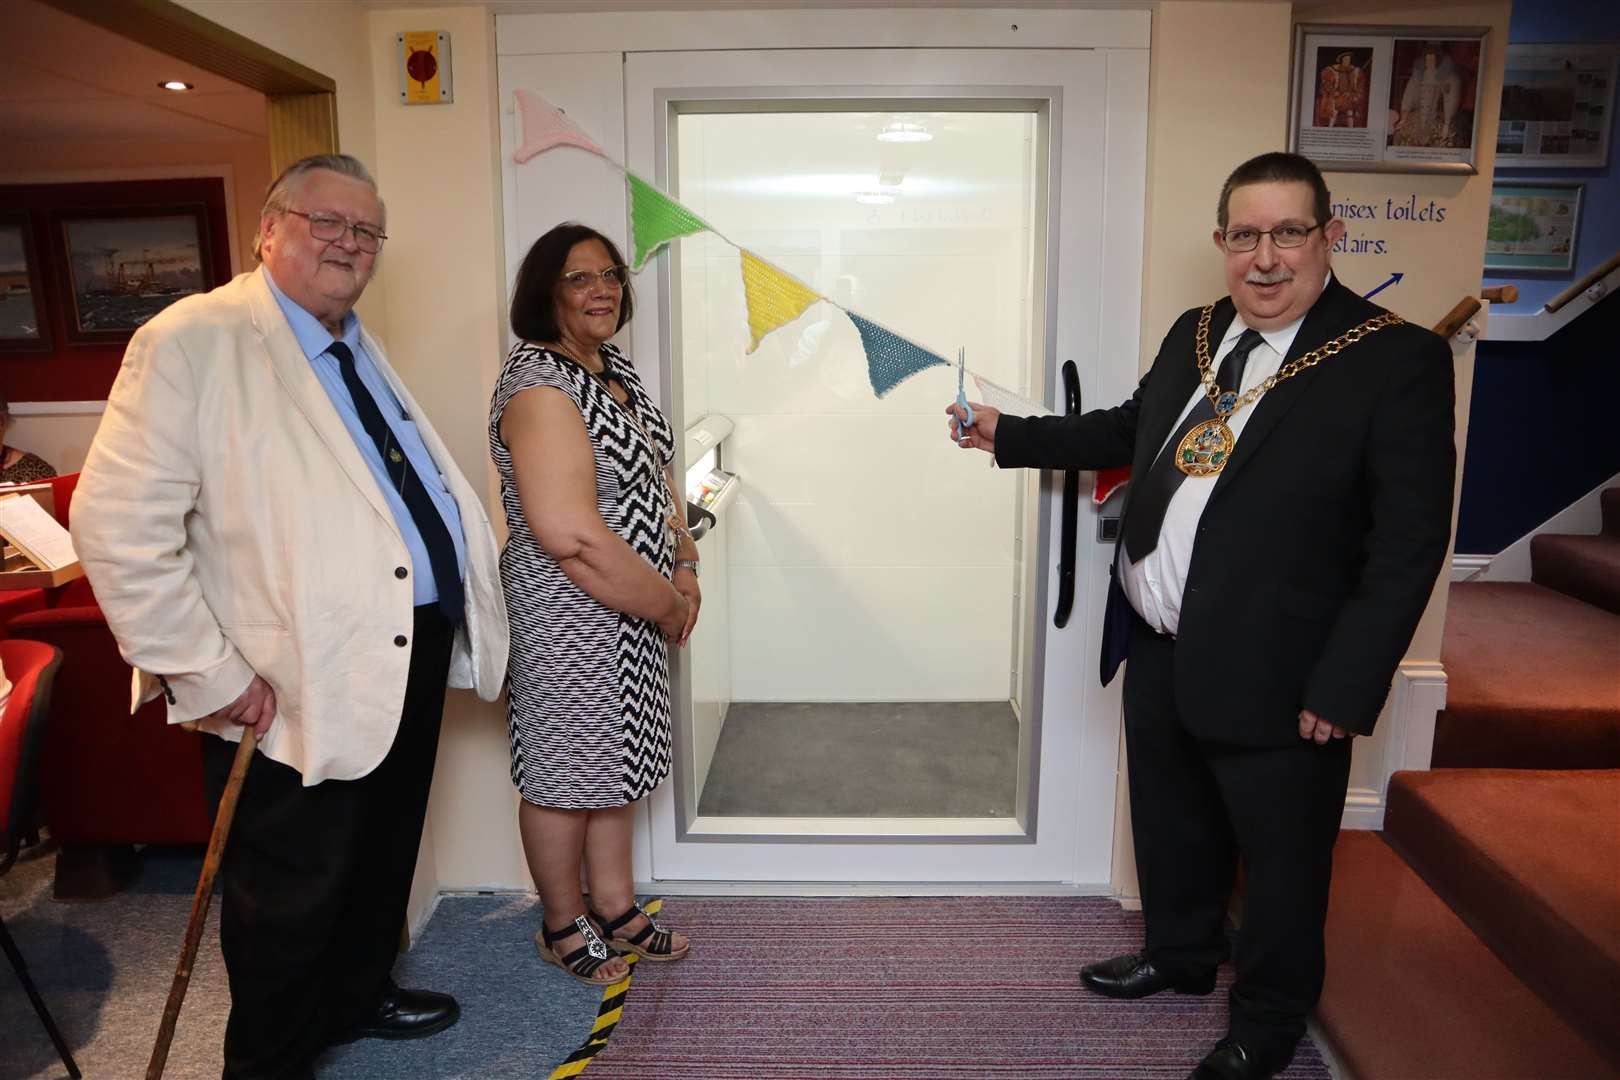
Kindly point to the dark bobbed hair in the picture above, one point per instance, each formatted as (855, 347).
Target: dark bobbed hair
(534, 297)
(1276, 168)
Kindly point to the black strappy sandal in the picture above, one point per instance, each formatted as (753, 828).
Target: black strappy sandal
(652, 943)
(584, 961)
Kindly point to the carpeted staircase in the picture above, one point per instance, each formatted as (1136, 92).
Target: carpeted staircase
(1533, 668)
(1478, 937)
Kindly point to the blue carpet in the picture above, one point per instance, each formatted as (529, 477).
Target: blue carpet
(104, 970)
(520, 1016)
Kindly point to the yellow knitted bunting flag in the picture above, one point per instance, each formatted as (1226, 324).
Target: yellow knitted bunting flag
(774, 298)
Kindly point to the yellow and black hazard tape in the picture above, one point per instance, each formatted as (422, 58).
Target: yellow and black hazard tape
(607, 1015)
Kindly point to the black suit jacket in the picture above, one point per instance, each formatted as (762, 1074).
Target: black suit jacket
(1325, 533)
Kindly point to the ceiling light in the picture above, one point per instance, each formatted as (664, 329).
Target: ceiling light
(176, 85)
(904, 131)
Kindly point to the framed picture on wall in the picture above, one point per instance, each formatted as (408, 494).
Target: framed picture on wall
(1557, 106)
(1533, 225)
(1387, 98)
(23, 326)
(120, 267)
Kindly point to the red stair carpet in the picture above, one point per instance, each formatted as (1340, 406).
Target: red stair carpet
(1413, 994)
(1530, 861)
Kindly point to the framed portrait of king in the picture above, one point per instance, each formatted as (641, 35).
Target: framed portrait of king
(1387, 98)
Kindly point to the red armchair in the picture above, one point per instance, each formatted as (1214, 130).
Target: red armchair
(109, 779)
(15, 602)
(32, 669)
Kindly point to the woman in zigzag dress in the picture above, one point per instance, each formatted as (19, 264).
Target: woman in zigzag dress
(600, 577)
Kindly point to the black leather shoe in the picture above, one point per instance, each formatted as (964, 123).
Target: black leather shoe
(1232, 1061)
(1134, 976)
(405, 1014)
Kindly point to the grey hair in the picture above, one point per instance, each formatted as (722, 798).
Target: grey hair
(279, 198)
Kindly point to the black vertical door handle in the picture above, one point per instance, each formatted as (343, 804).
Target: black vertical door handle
(1071, 507)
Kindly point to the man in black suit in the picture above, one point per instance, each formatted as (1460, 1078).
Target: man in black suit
(1288, 517)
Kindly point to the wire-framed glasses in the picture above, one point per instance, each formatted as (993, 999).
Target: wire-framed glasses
(613, 277)
(329, 227)
(1284, 236)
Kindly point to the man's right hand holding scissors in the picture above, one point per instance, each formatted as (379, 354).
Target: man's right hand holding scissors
(982, 435)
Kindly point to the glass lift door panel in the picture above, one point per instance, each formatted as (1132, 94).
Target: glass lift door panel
(870, 695)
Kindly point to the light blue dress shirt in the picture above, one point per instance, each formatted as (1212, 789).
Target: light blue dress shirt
(315, 339)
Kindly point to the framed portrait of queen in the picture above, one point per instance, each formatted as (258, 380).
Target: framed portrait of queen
(1387, 98)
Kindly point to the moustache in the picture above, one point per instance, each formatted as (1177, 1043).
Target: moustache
(1270, 277)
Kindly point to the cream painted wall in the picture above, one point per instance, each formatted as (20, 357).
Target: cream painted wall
(329, 37)
(446, 299)
(1441, 262)
(1196, 136)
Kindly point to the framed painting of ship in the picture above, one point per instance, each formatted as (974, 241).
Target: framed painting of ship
(120, 267)
(23, 326)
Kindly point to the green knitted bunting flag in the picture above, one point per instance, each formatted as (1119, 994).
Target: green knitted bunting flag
(656, 219)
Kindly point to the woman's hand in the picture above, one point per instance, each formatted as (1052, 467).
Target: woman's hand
(686, 583)
(676, 621)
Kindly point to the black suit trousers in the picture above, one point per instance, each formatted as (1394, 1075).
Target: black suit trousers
(1197, 807)
(316, 881)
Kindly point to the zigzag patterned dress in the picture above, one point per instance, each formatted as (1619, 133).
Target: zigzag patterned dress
(588, 693)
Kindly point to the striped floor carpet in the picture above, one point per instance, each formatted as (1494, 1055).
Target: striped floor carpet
(904, 989)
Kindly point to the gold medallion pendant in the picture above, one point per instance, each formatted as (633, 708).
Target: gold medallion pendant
(1205, 449)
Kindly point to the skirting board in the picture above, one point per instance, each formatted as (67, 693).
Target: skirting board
(1404, 740)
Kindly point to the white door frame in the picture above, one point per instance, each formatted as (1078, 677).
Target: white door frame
(1094, 262)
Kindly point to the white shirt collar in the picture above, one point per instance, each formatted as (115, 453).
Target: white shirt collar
(1280, 339)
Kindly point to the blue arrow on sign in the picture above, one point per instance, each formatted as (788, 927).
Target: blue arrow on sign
(1394, 279)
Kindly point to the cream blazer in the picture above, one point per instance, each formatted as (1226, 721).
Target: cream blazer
(230, 527)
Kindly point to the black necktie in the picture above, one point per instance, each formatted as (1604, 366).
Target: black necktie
(1152, 499)
(429, 522)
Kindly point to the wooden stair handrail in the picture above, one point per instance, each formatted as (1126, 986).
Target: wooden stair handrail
(1469, 306)
(1602, 270)
(1457, 317)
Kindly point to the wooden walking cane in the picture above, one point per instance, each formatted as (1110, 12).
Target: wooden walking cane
(200, 902)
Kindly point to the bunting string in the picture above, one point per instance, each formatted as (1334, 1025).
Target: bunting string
(774, 297)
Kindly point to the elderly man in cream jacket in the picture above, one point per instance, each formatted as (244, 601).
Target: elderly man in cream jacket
(279, 538)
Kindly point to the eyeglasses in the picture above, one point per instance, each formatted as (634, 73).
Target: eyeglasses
(330, 227)
(1284, 236)
(614, 277)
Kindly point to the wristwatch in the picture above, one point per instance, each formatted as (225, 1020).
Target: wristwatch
(690, 564)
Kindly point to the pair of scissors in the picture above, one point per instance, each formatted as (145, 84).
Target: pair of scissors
(961, 395)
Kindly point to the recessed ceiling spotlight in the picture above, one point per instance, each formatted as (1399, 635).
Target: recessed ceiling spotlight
(176, 85)
(904, 131)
